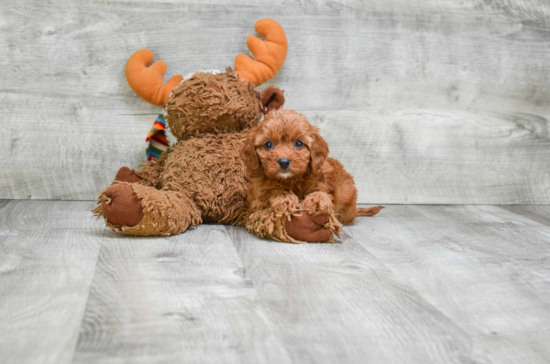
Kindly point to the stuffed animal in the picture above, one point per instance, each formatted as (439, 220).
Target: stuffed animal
(202, 178)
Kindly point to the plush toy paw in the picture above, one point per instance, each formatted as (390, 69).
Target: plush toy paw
(125, 174)
(122, 207)
(306, 227)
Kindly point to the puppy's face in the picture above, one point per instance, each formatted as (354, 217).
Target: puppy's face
(285, 146)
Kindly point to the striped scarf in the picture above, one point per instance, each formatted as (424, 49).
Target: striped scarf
(156, 139)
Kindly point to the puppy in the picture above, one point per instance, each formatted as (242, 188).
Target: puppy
(290, 171)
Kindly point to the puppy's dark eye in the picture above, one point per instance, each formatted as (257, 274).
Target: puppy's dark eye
(268, 145)
(298, 143)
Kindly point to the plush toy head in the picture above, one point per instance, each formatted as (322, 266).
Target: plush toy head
(215, 103)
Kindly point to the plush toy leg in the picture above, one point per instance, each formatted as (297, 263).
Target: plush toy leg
(120, 206)
(318, 210)
(125, 174)
(268, 224)
(135, 209)
(313, 228)
(148, 175)
(297, 227)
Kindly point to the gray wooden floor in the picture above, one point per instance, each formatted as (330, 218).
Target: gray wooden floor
(419, 284)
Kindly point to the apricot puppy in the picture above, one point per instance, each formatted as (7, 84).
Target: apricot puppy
(289, 171)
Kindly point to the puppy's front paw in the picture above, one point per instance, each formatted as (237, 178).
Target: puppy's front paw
(284, 203)
(317, 203)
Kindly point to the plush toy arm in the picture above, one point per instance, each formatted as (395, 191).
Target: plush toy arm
(269, 55)
(134, 209)
(299, 227)
(267, 223)
(147, 82)
(313, 228)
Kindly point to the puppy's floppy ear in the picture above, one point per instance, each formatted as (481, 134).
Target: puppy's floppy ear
(272, 98)
(248, 153)
(319, 151)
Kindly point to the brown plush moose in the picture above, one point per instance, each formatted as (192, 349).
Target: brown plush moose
(202, 178)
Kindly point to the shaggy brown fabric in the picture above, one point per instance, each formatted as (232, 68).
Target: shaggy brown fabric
(164, 212)
(125, 174)
(293, 226)
(198, 178)
(209, 103)
(211, 172)
(149, 173)
(121, 206)
(267, 223)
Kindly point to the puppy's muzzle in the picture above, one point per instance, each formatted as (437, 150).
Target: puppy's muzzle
(284, 163)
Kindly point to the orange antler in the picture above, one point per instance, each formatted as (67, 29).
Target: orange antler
(147, 81)
(269, 55)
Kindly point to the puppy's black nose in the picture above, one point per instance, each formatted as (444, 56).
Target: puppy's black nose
(284, 163)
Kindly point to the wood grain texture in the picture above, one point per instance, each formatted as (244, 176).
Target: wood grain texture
(424, 101)
(179, 299)
(340, 294)
(539, 213)
(48, 251)
(414, 284)
(3, 204)
(483, 267)
(449, 154)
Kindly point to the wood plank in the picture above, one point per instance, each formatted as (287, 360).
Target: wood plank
(539, 213)
(48, 251)
(401, 156)
(336, 303)
(423, 101)
(487, 273)
(3, 203)
(179, 299)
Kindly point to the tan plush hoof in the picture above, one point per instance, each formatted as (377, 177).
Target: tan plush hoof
(125, 174)
(122, 207)
(308, 228)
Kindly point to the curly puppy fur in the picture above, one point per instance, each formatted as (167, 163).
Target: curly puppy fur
(289, 170)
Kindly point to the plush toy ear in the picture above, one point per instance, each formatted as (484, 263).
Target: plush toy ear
(319, 151)
(248, 153)
(272, 98)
